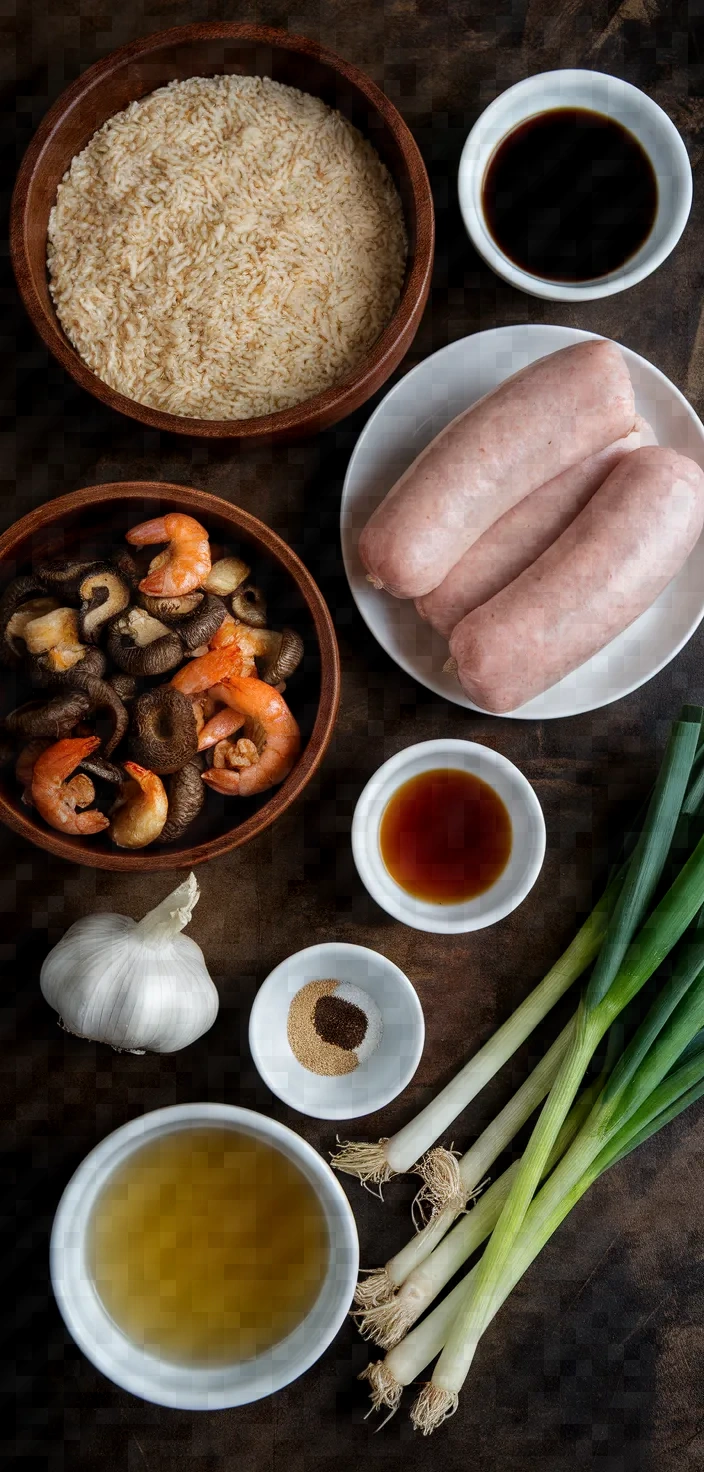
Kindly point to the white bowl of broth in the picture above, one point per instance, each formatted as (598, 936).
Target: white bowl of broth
(574, 185)
(203, 1256)
(448, 836)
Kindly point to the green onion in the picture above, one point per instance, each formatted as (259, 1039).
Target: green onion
(631, 962)
(378, 1162)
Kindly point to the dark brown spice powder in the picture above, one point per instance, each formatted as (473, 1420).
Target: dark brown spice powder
(339, 1022)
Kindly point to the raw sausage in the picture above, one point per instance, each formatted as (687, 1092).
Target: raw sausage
(607, 567)
(545, 418)
(523, 534)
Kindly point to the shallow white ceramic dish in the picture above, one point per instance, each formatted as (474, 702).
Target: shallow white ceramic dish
(145, 1375)
(414, 411)
(374, 1083)
(596, 92)
(527, 848)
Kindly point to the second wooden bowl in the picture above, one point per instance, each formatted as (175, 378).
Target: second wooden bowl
(211, 49)
(92, 522)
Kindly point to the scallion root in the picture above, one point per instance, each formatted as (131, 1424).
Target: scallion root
(386, 1323)
(384, 1388)
(376, 1288)
(450, 666)
(442, 1186)
(367, 1162)
(432, 1407)
(375, 582)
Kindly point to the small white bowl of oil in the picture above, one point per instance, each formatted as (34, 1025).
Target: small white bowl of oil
(448, 836)
(178, 1332)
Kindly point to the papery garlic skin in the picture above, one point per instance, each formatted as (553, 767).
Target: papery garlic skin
(140, 986)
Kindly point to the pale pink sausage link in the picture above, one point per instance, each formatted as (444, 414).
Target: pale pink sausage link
(610, 564)
(522, 534)
(545, 418)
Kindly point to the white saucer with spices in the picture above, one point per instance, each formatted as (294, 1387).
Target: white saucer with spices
(354, 1019)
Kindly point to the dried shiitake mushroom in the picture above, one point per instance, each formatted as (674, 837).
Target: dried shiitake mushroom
(18, 606)
(226, 575)
(103, 696)
(163, 732)
(195, 625)
(249, 605)
(124, 685)
(53, 719)
(127, 567)
(63, 575)
(171, 610)
(142, 645)
(56, 636)
(96, 765)
(186, 793)
(282, 657)
(103, 592)
(43, 671)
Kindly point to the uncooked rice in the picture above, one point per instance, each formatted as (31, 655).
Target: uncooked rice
(225, 248)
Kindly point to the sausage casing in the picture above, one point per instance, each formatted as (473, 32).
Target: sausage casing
(610, 564)
(522, 534)
(550, 415)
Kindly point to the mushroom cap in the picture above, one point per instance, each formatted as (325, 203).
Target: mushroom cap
(186, 792)
(226, 575)
(171, 610)
(124, 685)
(17, 592)
(283, 659)
(96, 765)
(163, 732)
(103, 696)
(248, 604)
(54, 719)
(104, 592)
(200, 627)
(140, 645)
(64, 574)
(43, 673)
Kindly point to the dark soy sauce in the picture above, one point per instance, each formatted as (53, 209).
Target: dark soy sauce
(570, 195)
(445, 836)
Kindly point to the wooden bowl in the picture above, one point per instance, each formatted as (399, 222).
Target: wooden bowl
(91, 523)
(211, 49)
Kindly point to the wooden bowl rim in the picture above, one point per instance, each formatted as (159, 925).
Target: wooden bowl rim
(312, 755)
(364, 379)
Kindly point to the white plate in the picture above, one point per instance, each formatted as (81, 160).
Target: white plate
(414, 411)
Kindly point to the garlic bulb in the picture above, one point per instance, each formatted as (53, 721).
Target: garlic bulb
(138, 985)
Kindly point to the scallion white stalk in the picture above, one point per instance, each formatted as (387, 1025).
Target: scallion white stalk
(375, 1163)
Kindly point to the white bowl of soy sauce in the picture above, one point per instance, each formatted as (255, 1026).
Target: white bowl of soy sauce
(574, 185)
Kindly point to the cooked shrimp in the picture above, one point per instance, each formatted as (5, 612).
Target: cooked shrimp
(24, 767)
(233, 755)
(270, 725)
(141, 811)
(224, 723)
(185, 563)
(203, 708)
(57, 799)
(200, 674)
(249, 641)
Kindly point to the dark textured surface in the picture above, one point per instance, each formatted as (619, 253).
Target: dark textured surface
(597, 1359)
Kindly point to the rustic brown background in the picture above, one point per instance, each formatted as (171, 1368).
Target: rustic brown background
(597, 1360)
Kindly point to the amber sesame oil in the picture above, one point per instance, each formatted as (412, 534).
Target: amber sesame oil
(208, 1246)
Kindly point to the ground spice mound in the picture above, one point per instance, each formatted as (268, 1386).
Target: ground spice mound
(307, 1046)
(339, 1022)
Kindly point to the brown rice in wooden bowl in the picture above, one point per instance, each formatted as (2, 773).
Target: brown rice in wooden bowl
(226, 231)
